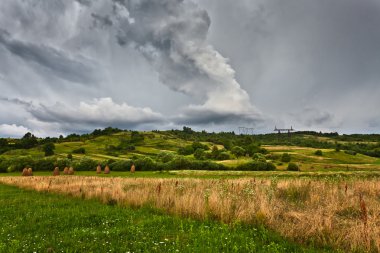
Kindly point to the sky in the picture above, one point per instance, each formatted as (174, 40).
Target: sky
(70, 66)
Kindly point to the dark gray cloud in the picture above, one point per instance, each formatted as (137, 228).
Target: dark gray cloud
(56, 61)
(172, 34)
(206, 63)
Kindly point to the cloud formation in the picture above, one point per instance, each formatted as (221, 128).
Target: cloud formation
(211, 64)
(172, 35)
(101, 112)
(12, 130)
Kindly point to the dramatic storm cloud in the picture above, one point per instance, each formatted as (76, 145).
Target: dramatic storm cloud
(75, 65)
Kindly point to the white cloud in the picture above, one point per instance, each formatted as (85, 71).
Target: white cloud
(12, 130)
(100, 112)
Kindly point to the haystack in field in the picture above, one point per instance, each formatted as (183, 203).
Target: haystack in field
(133, 168)
(25, 172)
(107, 170)
(98, 169)
(66, 171)
(71, 171)
(30, 172)
(56, 171)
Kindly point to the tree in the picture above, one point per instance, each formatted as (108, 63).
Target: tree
(199, 154)
(286, 158)
(48, 148)
(318, 152)
(293, 167)
(238, 151)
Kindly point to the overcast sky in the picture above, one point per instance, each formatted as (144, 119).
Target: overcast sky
(76, 65)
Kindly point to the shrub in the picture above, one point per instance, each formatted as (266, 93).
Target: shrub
(223, 156)
(179, 163)
(85, 164)
(293, 167)
(63, 163)
(206, 165)
(286, 158)
(238, 151)
(48, 148)
(318, 152)
(256, 166)
(197, 145)
(187, 150)
(79, 151)
(123, 165)
(145, 164)
(199, 154)
(350, 152)
(165, 156)
(46, 164)
(259, 157)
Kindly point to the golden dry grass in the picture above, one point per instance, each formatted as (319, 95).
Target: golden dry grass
(345, 215)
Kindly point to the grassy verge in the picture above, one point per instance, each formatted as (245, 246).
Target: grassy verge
(42, 222)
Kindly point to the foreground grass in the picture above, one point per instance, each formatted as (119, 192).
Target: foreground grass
(43, 222)
(333, 212)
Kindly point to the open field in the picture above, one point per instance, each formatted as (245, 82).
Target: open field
(41, 222)
(333, 212)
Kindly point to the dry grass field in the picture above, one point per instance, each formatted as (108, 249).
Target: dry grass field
(342, 214)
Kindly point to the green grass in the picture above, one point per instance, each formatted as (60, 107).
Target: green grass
(43, 222)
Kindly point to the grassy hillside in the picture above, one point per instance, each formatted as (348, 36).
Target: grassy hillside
(216, 148)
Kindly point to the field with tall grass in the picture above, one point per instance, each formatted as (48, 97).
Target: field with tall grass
(339, 213)
(46, 222)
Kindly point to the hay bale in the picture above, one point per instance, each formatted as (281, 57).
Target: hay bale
(66, 171)
(25, 172)
(133, 168)
(30, 172)
(98, 169)
(71, 171)
(107, 170)
(56, 171)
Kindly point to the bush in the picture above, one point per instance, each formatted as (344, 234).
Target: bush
(62, 163)
(350, 152)
(124, 165)
(79, 151)
(85, 164)
(197, 145)
(286, 158)
(179, 163)
(48, 148)
(256, 166)
(165, 157)
(238, 151)
(293, 167)
(187, 150)
(223, 156)
(318, 152)
(145, 164)
(206, 165)
(47, 164)
(199, 154)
